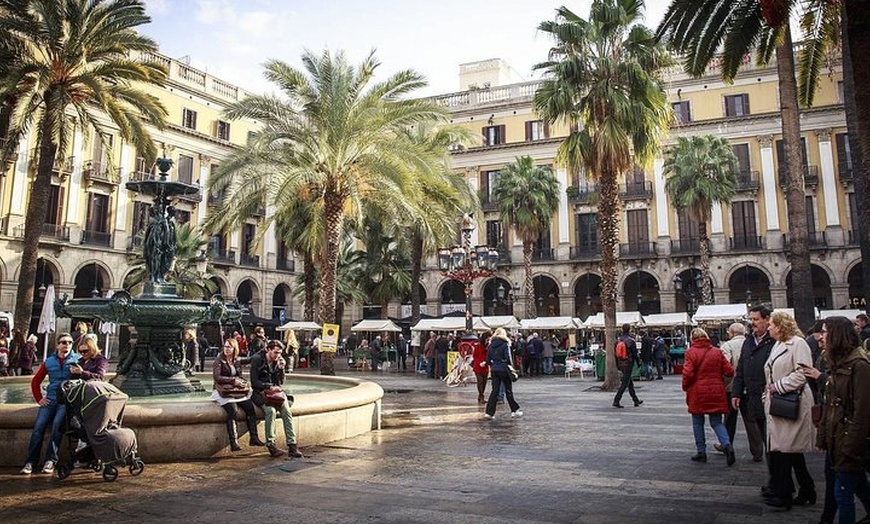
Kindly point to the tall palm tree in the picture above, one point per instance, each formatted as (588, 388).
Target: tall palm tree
(81, 57)
(699, 29)
(701, 171)
(190, 250)
(602, 79)
(336, 133)
(527, 196)
(386, 260)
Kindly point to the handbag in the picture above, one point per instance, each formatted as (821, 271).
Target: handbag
(274, 396)
(513, 373)
(786, 406)
(235, 389)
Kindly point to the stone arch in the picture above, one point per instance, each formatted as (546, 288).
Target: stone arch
(451, 296)
(641, 291)
(248, 291)
(59, 277)
(823, 295)
(546, 295)
(223, 286)
(750, 283)
(91, 278)
(587, 295)
(497, 295)
(281, 301)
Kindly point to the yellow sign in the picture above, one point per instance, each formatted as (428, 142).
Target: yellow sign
(329, 338)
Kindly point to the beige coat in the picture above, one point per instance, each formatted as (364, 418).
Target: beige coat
(732, 349)
(781, 369)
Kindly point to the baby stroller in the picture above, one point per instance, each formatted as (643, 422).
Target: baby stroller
(96, 439)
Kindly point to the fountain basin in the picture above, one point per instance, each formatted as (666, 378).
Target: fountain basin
(170, 431)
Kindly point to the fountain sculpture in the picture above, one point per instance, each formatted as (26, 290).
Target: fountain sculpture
(153, 363)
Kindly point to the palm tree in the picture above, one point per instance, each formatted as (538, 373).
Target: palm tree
(527, 196)
(699, 29)
(386, 260)
(602, 79)
(81, 57)
(191, 248)
(701, 171)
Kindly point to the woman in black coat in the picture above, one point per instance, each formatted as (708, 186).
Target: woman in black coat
(498, 357)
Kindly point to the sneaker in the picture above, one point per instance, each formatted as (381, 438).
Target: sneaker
(27, 469)
(487, 416)
(48, 467)
(517, 414)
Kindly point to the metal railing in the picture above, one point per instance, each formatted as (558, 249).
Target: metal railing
(811, 175)
(97, 172)
(582, 194)
(745, 243)
(543, 254)
(134, 242)
(220, 258)
(249, 260)
(53, 231)
(845, 173)
(686, 247)
(748, 181)
(141, 176)
(585, 252)
(286, 265)
(637, 250)
(815, 240)
(487, 201)
(96, 238)
(636, 190)
(504, 255)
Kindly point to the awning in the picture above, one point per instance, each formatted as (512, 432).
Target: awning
(548, 323)
(376, 325)
(300, 326)
(450, 324)
(851, 314)
(501, 321)
(790, 311)
(632, 318)
(720, 313)
(667, 320)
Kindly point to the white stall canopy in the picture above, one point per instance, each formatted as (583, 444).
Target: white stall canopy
(300, 326)
(632, 318)
(501, 321)
(851, 314)
(376, 325)
(548, 323)
(720, 313)
(667, 320)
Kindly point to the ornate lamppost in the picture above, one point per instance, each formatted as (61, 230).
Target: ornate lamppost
(465, 264)
(690, 290)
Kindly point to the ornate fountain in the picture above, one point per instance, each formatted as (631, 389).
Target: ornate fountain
(153, 363)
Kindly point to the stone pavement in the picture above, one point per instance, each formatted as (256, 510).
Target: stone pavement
(571, 458)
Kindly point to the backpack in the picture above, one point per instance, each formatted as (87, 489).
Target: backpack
(621, 350)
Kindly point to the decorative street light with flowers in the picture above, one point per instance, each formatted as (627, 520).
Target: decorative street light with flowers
(465, 264)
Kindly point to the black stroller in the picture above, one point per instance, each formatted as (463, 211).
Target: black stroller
(96, 439)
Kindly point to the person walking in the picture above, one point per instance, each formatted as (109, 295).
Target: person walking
(732, 349)
(659, 356)
(442, 346)
(401, 352)
(788, 439)
(429, 355)
(647, 343)
(479, 366)
(498, 358)
(230, 391)
(27, 357)
(703, 373)
(626, 367)
(845, 424)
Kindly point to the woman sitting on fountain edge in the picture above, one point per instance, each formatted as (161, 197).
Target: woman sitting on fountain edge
(226, 371)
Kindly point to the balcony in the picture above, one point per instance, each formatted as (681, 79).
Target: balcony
(585, 252)
(98, 172)
(845, 173)
(196, 198)
(686, 247)
(815, 240)
(96, 238)
(286, 265)
(223, 258)
(540, 255)
(141, 176)
(504, 256)
(811, 175)
(636, 190)
(582, 194)
(637, 250)
(249, 260)
(745, 243)
(49, 231)
(487, 202)
(748, 181)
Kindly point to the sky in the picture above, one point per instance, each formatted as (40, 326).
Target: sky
(231, 39)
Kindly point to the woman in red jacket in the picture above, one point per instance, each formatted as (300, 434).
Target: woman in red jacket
(703, 381)
(478, 364)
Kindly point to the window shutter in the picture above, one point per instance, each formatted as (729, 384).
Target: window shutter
(546, 130)
(502, 135)
(528, 130)
(745, 104)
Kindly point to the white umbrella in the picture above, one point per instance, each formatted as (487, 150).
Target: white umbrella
(108, 328)
(47, 318)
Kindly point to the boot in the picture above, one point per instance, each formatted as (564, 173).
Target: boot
(233, 434)
(252, 433)
(293, 451)
(274, 451)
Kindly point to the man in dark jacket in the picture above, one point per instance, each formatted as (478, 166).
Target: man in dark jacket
(633, 358)
(401, 352)
(535, 348)
(646, 354)
(442, 346)
(749, 380)
(267, 370)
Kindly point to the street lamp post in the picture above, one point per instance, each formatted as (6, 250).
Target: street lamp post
(464, 264)
(691, 290)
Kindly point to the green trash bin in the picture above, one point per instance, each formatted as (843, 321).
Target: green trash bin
(599, 365)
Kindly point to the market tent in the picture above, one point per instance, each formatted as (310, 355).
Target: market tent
(790, 311)
(720, 313)
(851, 314)
(449, 324)
(667, 320)
(301, 325)
(503, 321)
(632, 318)
(375, 325)
(548, 323)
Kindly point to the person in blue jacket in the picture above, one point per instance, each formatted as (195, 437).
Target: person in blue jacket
(498, 357)
(51, 410)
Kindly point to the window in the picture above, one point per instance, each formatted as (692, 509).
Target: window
(219, 244)
(494, 135)
(741, 151)
(743, 221)
(141, 216)
(854, 214)
(252, 135)
(5, 115)
(587, 230)
(98, 213)
(222, 130)
(185, 169)
(188, 118)
(811, 217)
(536, 130)
(487, 183)
(638, 227)
(682, 111)
(737, 105)
(495, 236)
(844, 156)
(841, 92)
(54, 209)
(182, 217)
(780, 155)
(689, 229)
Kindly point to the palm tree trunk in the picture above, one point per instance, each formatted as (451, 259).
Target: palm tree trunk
(608, 235)
(332, 206)
(704, 241)
(799, 253)
(309, 283)
(531, 309)
(856, 46)
(35, 220)
(416, 270)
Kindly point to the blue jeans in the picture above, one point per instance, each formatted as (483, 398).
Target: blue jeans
(718, 428)
(54, 414)
(442, 364)
(548, 365)
(844, 488)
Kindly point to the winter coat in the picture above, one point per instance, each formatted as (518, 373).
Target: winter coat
(263, 376)
(27, 357)
(731, 350)
(498, 355)
(781, 370)
(94, 368)
(846, 420)
(704, 368)
(749, 376)
(478, 360)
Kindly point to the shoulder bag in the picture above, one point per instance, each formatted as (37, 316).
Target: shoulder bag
(274, 396)
(787, 405)
(238, 388)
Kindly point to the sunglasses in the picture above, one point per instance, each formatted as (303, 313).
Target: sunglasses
(65, 342)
